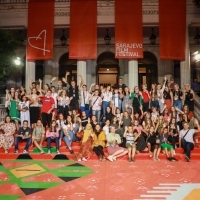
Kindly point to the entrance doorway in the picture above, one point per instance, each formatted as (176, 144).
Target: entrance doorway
(147, 68)
(69, 65)
(107, 69)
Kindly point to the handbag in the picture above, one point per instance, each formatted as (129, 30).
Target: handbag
(182, 139)
(93, 104)
(87, 106)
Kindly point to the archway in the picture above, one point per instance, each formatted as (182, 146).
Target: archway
(107, 68)
(70, 65)
(148, 69)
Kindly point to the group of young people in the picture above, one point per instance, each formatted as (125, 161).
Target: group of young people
(122, 119)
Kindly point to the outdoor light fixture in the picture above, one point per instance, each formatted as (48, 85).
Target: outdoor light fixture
(107, 38)
(17, 61)
(197, 57)
(63, 39)
(152, 38)
(197, 37)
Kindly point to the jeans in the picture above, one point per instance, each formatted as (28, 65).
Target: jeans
(97, 113)
(49, 140)
(86, 111)
(19, 139)
(187, 146)
(154, 104)
(61, 134)
(161, 105)
(178, 103)
(105, 104)
(67, 140)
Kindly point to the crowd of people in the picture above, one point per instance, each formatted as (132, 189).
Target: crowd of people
(124, 120)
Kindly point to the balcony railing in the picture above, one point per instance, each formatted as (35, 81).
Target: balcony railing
(24, 1)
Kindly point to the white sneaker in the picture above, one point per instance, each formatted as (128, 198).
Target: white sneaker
(110, 158)
(79, 160)
(114, 158)
(49, 152)
(84, 159)
(58, 152)
(25, 151)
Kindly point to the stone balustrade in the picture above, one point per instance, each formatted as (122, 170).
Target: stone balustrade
(197, 107)
(3, 112)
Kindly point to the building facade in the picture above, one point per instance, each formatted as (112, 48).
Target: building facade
(106, 69)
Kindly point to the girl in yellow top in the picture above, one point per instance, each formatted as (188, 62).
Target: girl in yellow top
(99, 143)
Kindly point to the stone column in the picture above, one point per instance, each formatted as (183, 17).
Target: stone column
(81, 70)
(48, 72)
(132, 73)
(185, 65)
(30, 74)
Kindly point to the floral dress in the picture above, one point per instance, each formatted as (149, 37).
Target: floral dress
(7, 139)
(126, 101)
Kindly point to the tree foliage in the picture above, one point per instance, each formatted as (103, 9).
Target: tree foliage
(8, 45)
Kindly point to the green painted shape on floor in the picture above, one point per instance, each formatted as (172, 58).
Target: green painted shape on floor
(72, 171)
(66, 171)
(29, 184)
(9, 197)
(45, 149)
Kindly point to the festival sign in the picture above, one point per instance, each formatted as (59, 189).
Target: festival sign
(128, 29)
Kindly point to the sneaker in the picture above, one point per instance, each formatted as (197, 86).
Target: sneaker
(110, 158)
(187, 159)
(174, 159)
(84, 159)
(49, 152)
(16, 151)
(132, 159)
(25, 151)
(71, 151)
(114, 158)
(129, 159)
(79, 160)
(170, 159)
(58, 152)
(42, 152)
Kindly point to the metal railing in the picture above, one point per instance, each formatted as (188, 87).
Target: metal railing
(197, 107)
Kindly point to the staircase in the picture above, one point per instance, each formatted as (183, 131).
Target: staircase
(195, 155)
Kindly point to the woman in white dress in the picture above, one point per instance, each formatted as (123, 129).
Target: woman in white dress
(23, 107)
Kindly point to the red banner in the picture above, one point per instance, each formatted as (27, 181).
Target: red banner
(172, 29)
(40, 29)
(128, 29)
(83, 29)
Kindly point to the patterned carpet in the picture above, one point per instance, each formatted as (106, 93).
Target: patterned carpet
(68, 180)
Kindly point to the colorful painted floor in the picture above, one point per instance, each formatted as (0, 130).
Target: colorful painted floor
(28, 179)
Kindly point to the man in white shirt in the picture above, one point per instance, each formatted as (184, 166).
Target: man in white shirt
(85, 96)
(54, 95)
(186, 140)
